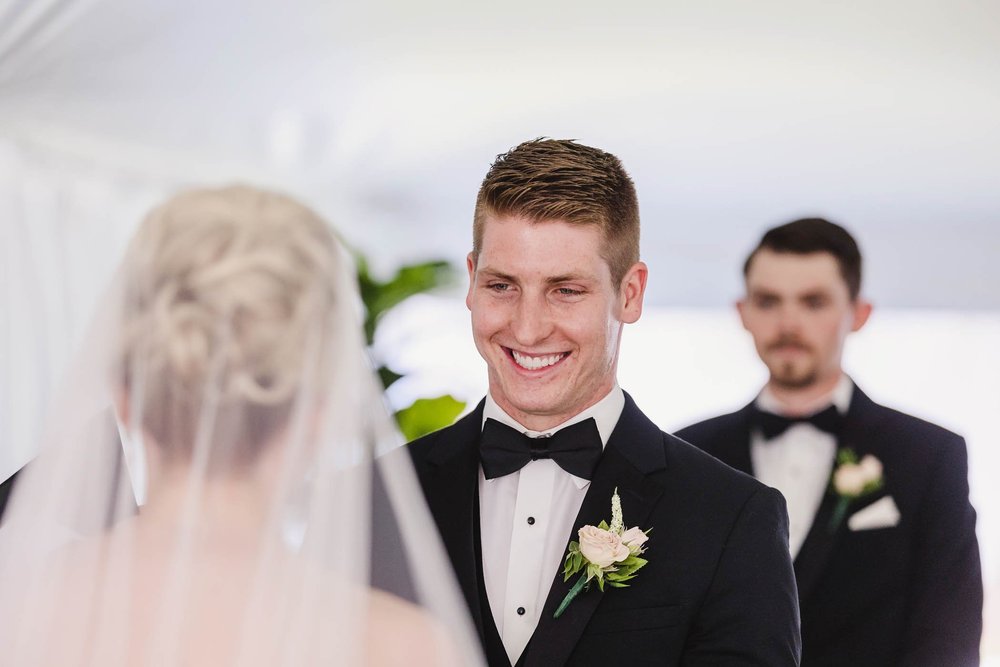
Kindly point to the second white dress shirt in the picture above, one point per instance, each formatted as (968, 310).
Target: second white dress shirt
(799, 462)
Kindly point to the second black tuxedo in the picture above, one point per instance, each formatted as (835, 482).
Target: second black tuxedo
(909, 594)
(718, 589)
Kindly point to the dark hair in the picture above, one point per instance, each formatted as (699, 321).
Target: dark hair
(549, 179)
(809, 235)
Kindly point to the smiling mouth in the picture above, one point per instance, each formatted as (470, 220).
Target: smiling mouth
(535, 362)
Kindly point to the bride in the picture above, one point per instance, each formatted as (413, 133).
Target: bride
(209, 491)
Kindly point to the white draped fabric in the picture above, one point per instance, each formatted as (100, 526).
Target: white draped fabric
(104, 108)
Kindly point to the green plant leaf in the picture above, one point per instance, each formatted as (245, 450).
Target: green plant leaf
(427, 415)
(379, 297)
(387, 376)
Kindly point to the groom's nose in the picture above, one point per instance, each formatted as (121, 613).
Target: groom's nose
(531, 321)
(789, 319)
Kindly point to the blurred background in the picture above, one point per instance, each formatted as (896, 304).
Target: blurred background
(730, 116)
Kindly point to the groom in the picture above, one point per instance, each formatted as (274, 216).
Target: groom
(554, 276)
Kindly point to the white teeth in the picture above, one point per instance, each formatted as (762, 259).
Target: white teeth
(534, 363)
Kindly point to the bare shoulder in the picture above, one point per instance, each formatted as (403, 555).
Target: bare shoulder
(418, 638)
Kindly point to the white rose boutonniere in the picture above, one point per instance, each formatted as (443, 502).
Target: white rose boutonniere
(853, 479)
(601, 547)
(606, 553)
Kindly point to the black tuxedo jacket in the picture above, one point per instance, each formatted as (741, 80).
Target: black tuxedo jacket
(718, 589)
(5, 490)
(904, 595)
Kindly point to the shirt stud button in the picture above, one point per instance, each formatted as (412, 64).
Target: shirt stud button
(531, 521)
(520, 611)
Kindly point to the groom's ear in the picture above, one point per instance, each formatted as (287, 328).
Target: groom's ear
(470, 264)
(633, 289)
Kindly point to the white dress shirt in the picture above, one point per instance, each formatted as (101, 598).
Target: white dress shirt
(525, 519)
(799, 462)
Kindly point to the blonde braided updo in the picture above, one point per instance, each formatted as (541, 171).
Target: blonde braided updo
(225, 289)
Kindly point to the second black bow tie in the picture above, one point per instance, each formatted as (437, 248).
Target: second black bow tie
(576, 448)
(772, 425)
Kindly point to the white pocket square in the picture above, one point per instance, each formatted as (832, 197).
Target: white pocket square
(880, 514)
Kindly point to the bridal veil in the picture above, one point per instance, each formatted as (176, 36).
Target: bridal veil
(210, 489)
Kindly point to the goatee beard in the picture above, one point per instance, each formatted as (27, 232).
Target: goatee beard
(785, 377)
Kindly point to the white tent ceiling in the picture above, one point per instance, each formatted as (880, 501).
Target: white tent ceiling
(731, 116)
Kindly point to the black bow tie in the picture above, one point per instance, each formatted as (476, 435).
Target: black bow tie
(576, 448)
(772, 425)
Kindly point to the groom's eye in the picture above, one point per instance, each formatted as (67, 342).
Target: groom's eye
(765, 301)
(816, 301)
(498, 287)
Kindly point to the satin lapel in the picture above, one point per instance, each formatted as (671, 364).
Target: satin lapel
(815, 550)
(634, 450)
(818, 545)
(451, 489)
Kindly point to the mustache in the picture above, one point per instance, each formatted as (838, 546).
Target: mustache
(789, 342)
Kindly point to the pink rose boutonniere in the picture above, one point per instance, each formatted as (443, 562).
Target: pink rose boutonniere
(853, 479)
(604, 553)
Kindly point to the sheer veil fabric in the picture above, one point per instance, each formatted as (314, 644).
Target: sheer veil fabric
(209, 490)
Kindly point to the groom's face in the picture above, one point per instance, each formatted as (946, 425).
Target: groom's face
(547, 317)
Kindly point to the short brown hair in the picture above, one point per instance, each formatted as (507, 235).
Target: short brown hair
(549, 179)
(810, 235)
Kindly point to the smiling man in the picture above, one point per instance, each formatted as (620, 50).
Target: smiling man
(554, 276)
(886, 557)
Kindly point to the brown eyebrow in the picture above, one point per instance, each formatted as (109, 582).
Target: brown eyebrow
(811, 294)
(499, 275)
(552, 280)
(820, 297)
(567, 278)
